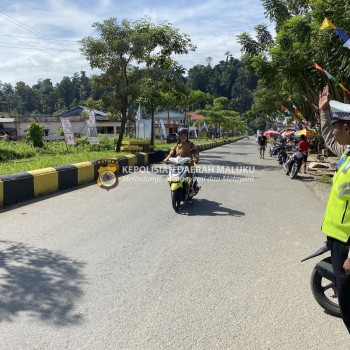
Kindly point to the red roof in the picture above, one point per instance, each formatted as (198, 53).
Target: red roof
(195, 116)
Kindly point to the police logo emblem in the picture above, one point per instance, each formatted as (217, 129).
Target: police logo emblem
(107, 173)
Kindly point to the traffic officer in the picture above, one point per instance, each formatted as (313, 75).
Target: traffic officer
(336, 222)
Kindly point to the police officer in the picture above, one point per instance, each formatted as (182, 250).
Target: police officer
(335, 127)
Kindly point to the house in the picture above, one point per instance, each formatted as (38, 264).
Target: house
(172, 121)
(53, 124)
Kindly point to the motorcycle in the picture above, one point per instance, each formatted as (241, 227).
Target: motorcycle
(297, 160)
(179, 181)
(282, 155)
(323, 283)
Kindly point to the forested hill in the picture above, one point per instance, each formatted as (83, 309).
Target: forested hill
(228, 79)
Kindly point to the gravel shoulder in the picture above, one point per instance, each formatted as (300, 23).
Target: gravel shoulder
(321, 189)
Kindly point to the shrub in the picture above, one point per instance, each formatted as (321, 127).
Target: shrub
(35, 133)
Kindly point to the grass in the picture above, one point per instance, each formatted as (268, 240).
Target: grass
(325, 179)
(19, 156)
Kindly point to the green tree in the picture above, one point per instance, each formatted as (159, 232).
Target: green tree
(121, 49)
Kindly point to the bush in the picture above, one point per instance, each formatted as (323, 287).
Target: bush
(35, 133)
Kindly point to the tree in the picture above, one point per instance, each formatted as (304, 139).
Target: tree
(120, 50)
(218, 116)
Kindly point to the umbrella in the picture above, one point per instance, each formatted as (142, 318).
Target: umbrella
(307, 133)
(287, 133)
(271, 133)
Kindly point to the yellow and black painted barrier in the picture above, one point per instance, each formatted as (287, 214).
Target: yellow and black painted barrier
(20, 187)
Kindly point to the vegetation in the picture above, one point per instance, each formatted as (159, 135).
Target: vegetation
(284, 64)
(325, 179)
(35, 133)
(19, 156)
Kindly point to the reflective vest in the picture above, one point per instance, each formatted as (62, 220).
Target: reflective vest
(336, 222)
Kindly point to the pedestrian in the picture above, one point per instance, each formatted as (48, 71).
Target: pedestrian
(304, 147)
(335, 128)
(262, 141)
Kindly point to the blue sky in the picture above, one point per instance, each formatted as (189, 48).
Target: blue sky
(39, 39)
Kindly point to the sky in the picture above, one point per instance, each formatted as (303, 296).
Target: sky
(39, 39)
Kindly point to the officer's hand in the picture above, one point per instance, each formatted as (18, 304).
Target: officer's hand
(346, 266)
(324, 98)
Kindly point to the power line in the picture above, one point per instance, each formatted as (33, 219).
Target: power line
(22, 25)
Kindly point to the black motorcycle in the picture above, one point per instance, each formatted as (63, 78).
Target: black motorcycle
(293, 164)
(323, 283)
(282, 155)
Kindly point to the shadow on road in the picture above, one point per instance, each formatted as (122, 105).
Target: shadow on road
(39, 282)
(205, 207)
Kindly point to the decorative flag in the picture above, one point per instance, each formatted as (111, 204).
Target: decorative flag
(330, 76)
(310, 103)
(285, 110)
(328, 24)
(296, 110)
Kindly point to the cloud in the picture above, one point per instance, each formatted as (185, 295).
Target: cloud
(40, 40)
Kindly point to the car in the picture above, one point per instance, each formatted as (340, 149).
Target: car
(172, 137)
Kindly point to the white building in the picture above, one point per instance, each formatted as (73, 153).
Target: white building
(52, 124)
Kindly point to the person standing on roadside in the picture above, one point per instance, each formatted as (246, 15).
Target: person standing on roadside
(335, 128)
(304, 147)
(262, 141)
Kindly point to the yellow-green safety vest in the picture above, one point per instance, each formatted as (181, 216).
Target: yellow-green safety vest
(336, 222)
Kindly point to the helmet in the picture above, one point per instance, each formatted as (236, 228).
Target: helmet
(180, 130)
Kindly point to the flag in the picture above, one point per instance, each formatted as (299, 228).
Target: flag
(296, 110)
(327, 24)
(323, 70)
(310, 103)
(285, 110)
(330, 76)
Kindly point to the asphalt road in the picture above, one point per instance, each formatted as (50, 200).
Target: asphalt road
(90, 269)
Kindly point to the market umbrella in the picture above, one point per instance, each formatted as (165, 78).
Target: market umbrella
(287, 133)
(307, 133)
(271, 133)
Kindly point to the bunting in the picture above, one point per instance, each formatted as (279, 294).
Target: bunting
(297, 111)
(310, 103)
(330, 77)
(285, 110)
(328, 24)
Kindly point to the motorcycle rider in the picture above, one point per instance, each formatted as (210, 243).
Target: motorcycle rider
(336, 222)
(183, 149)
(303, 146)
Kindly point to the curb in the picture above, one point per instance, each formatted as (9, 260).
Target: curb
(20, 187)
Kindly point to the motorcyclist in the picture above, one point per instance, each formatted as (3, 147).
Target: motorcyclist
(183, 148)
(303, 146)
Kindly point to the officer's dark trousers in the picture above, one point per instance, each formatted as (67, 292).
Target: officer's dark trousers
(339, 253)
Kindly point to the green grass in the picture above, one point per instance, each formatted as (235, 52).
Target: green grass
(18, 156)
(325, 179)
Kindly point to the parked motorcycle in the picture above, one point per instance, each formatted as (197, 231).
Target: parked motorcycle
(282, 155)
(323, 283)
(297, 160)
(274, 149)
(180, 182)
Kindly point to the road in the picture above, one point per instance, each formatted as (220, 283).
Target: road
(94, 269)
